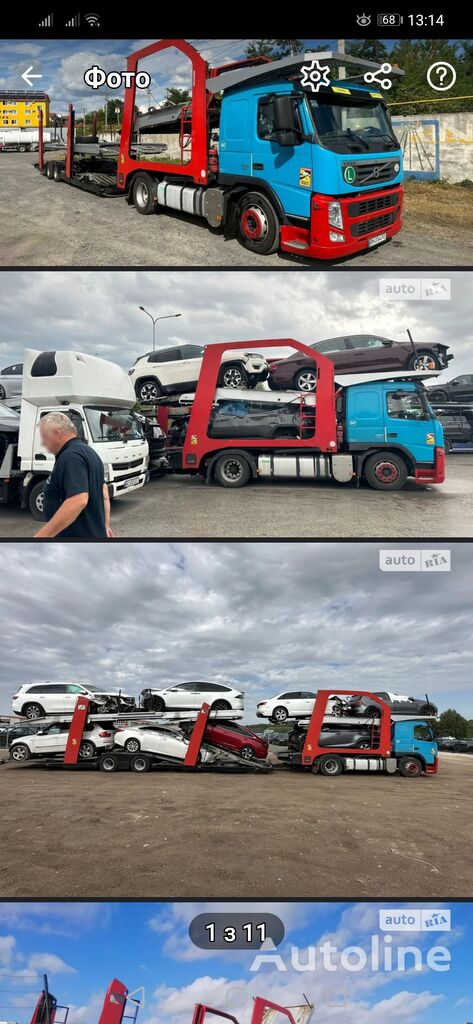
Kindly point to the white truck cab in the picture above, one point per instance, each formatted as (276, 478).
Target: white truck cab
(98, 397)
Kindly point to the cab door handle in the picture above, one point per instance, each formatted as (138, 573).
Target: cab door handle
(393, 434)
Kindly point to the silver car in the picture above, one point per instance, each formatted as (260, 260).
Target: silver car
(11, 378)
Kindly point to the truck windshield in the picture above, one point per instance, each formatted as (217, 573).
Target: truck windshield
(351, 126)
(112, 424)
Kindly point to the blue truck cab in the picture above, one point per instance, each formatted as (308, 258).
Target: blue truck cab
(415, 739)
(391, 428)
(328, 163)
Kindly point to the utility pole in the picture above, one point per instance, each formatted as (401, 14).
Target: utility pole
(342, 73)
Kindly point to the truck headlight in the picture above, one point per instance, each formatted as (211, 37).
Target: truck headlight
(335, 215)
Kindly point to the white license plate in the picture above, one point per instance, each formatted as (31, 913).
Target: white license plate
(376, 240)
(129, 483)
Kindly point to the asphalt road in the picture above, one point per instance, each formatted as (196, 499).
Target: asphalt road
(182, 506)
(287, 834)
(49, 224)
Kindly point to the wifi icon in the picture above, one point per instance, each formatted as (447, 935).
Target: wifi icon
(93, 20)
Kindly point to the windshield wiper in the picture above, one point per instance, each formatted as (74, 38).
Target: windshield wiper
(346, 135)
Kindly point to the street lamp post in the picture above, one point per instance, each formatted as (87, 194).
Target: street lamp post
(155, 319)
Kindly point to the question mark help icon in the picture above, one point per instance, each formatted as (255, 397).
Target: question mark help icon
(438, 74)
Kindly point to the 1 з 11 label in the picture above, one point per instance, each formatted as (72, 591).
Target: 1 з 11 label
(237, 931)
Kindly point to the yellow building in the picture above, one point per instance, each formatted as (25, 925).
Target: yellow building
(21, 109)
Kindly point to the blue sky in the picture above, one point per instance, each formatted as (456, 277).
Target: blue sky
(84, 945)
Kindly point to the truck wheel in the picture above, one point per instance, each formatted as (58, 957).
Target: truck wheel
(140, 763)
(148, 390)
(20, 752)
(108, 763)
(410, 767)
(330, 764)
(232, 470)
(22, 149)
(36, 501)
(233, 376)
(305, 380)
(57, 172)
(447, 445)
(144, 193)
(385, 472)
(257, 224)
(49, 170)
(423, 361)
(33, 711)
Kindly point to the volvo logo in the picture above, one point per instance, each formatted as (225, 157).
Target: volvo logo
(375, 172)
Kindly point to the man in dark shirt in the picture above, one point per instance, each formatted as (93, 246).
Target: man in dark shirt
(76, 501)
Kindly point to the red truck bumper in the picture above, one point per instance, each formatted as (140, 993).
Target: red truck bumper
(367, 218)
(435, 475)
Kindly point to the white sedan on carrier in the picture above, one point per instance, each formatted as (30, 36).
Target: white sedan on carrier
(294, 704)
(166, 743)
(53, 740)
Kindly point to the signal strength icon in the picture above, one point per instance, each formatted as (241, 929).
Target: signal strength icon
(73, 22)
(93, 20)
(46, 22)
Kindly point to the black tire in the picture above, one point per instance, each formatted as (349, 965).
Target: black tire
(232, 470)
(22, 149)
(148, 390)
(233, 376)
(154, 704)
(108, 763)
(221, 705)
(372, 711)
(87, 750)
(330, 764)
(363, 745)
(257, 225)
(57, 172)
(447, 445)
(385, 472)
(305, 380)
(49, 170)
(133, 746)
(36, 501)
(32, 711)
(144, 191)
(20, 752)
(337, 710)
(422, 359)
(437, 396)
(410, 767)
(280, 714)
(2, 392)
(140, 763)
(247, 753)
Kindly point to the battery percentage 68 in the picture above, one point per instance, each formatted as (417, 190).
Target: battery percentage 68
(389, 20)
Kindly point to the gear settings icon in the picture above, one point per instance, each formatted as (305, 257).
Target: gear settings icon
(314, 75)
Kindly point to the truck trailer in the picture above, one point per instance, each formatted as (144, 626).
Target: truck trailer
(375, 427)
(98, 397)
(268, 153)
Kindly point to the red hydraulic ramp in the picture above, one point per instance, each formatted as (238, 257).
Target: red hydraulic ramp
(76, 730)
(113, 1009)
(264, 1012)
(198, 444)
(312, 749)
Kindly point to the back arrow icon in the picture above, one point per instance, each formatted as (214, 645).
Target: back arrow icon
(27, 76)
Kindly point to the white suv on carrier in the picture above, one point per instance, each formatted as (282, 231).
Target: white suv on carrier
(175, 370)
(36, 700)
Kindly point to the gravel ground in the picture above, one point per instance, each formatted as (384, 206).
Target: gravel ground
(49, 224)
(287, 834)
(183, 506)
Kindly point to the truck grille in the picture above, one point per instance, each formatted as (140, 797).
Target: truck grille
(371, 172)
(365, 206)
(365, 227)
(132, 464)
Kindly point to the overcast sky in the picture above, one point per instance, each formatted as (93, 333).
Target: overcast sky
(146, 945)
(264, 617)
(97, 311)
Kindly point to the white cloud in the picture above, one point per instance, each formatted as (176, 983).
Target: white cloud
(49, 962)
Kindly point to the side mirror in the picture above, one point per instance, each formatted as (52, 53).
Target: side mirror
(285, 120)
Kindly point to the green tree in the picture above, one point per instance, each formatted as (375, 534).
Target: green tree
(176, 97)
(274, 48)
(368, 49)
(451, 723)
